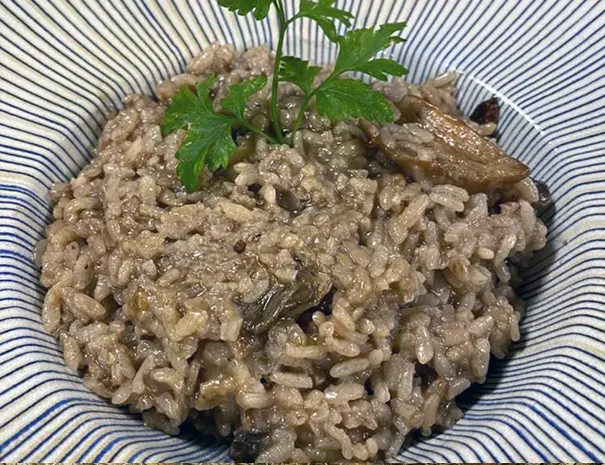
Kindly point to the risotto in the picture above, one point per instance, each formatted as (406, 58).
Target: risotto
(314, 303)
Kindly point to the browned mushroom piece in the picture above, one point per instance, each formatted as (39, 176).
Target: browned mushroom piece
(461, 156)
(286, 300)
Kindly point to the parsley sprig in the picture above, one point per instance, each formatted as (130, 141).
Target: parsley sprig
(208, 141)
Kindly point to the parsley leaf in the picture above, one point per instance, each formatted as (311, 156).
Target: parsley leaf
(260, 8)
(208, 145)
(185, 105)
(358, 46)
(341, 99)
(324, 14)
(379, 68)
(208, 141)
(298, 72)
(239, 94)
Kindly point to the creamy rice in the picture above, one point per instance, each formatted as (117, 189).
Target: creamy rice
(310, 303)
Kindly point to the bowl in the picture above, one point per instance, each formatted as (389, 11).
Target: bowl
(66, 67)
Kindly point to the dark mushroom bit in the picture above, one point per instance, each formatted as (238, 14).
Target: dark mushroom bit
(462, 157)
(487, 111)
(247, 445)
(289, 201)
(544, 197)
(286, 301)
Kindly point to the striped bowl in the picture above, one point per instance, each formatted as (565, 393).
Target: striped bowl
(66, 64)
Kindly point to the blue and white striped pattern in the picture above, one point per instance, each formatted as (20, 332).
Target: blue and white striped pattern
(66, 64)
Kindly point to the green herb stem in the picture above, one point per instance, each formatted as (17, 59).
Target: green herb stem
(305, 105)
(250, 127)
(283, 25)
(301, 115)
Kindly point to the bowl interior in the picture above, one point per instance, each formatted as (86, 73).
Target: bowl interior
(65, 69)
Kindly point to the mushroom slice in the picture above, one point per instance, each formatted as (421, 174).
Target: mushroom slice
(286, 301)
(457, 154)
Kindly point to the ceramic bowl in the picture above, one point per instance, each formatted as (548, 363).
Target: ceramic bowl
(65, 65)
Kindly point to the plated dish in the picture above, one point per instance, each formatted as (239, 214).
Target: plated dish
(128, 348)
(313, 290)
